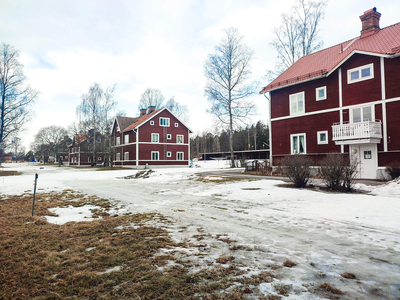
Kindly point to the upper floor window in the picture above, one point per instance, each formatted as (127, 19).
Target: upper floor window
(297, 105)
(169, 136)
(155, 138)
(176, 124)
(179, 155)
(118, 141)
(126, 138)
(179, 139)
(164, 122)
(298, 143)
(360, 73)
(320, 93)
(151, 122)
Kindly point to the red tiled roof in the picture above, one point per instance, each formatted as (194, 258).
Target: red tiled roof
(384, 42)
(142, 119)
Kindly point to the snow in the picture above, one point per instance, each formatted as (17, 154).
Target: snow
(326, 234)
(71, 214)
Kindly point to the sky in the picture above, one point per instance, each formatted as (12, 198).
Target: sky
(66, 46)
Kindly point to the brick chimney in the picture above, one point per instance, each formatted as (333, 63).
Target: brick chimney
(151, 109)
(142, 112)
(370, 22)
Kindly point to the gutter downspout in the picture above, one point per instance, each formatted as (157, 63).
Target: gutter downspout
(269, 129)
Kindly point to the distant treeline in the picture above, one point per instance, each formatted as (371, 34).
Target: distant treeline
(252, 137)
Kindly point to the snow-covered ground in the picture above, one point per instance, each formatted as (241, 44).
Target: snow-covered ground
(326, 234)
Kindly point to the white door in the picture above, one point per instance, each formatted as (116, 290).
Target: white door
(367, 156)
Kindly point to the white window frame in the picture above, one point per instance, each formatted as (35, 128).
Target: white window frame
(177, 139)
(362, 112)
(298, 136)
(153, 153)
(169, 154)
(293, 99)
(153, 135)
(164, 122)
(126, 139)
(118, 141)
(118, 156)
(180, 154)
(126, 155)
(99, 158)
(176, 125)
(317, 97)
(151, 122)
(359, 69)
(320, 142)
(169, 136)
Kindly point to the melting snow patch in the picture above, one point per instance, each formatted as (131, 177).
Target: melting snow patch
(113, 269)
(71, 214)
(90, 249)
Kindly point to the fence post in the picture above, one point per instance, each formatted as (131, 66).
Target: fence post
(34, 194)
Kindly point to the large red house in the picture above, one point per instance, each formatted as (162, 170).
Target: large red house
(155, 138)
(81, 151)
(343, 99)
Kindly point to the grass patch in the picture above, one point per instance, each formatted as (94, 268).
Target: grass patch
(348, 275)
(9, 173)
(107, 258)
(328, 288)
(289, 264)
(218, 179)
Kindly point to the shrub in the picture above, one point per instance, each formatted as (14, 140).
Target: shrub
(298, 168)
(393, 170)
(338, 173)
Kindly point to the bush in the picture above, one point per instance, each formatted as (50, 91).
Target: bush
(393, 170)
(338, 173)
(298, 168)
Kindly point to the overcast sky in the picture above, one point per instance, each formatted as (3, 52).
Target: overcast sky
(65, 46)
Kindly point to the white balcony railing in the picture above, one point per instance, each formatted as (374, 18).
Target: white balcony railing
(359, 130)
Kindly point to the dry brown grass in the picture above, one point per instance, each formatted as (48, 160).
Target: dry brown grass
(39, 260)
(328, 288)
(289, 264)
(224, 259)
(349, 275)
(9, 173)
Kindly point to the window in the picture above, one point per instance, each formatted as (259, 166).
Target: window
(99, 158)
(155, 138)
(118, 141)
(179, 155)
(298, 143)
(322, 137)
(118, 156)
(169, 154)
(362, 114)
(154, 155)
(126, 138)
(179, 139)
(297, 103)
(126, 156)
(169, 136)
(151, 122)
(176, 124)
(164, 122)
(367, 155)
(320, 93)
(361, 73)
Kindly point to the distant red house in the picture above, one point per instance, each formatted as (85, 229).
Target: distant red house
(343, 99)
(155, 138)
(80, 151)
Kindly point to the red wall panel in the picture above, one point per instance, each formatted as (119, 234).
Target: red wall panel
(392, 77)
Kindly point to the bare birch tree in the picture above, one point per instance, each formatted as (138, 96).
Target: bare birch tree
(151, 97)
(298, 34)
(227, 72)
(94, 112)
(181, 111)
(16, 96)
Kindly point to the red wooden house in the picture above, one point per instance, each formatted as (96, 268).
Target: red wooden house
(343, 99)
(81, 152)
(156, 137)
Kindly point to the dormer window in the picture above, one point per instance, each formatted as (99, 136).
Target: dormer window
(361, 73)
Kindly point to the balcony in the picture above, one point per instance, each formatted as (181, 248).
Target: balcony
(357, 133)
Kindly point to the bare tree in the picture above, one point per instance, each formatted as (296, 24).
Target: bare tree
(16, 96)
(181, 111)
(298, 34)
(227, 72)
(151, 97)
(94, 113)
(49, 139)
